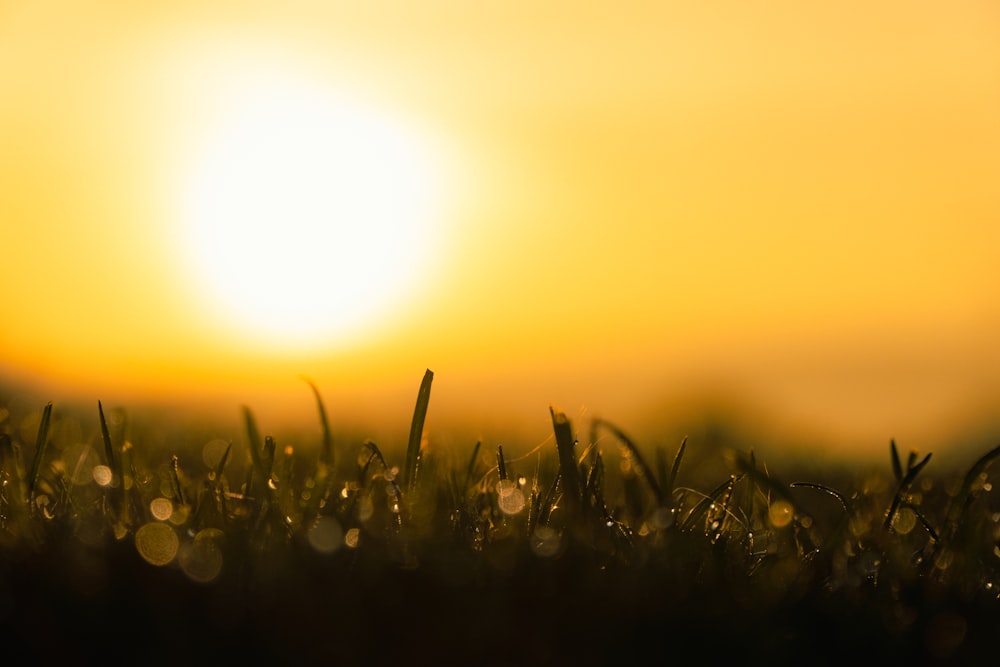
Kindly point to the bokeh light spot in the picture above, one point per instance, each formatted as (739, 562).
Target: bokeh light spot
(202, 558)
(509, 497)
(326, 535)
(161, 508)
(157, 543)
(780, 513)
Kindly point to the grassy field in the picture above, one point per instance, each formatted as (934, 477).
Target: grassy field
(587, 550)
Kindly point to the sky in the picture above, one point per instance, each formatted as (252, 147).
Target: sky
(782, 212)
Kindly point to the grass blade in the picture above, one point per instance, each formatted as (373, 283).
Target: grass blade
(501, 466)
(633, 451)
(703, 506)
(109, 451)
(256, 444)
(267, 458)
(911, 473)
(471, 467)
(115, 463)
(212, 487)
(897, 467)
(417, 430)
(825, 489)
(568, 471)
(40, 443)
(548, 502)
(327, 453)
(175, 480)
(219, 469)
(672, 480)
(377, 454)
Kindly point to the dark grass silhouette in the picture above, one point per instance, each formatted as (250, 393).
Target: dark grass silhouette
(579, 553)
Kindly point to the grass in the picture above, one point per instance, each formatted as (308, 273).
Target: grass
(576, 553)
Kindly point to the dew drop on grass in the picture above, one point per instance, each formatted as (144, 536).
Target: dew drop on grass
(102, 475)
(326, 535)
(157, 543)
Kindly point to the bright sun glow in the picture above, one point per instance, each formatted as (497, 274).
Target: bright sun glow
(306, 214)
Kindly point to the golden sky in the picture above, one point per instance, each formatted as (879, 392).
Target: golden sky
(791, 207)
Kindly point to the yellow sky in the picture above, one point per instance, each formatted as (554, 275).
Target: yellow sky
(792, 205)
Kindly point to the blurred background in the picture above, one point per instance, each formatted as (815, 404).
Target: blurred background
(776, 220)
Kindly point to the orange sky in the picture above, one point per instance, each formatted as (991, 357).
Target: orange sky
(791, 206)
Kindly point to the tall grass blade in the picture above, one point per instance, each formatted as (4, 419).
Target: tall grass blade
(377, 454)
(40, 444)
(327, 453)
(212, 487)
(417, 430)
(267, 457)
(594, 490)
(114, 463)
(897, 467)
(645, 470)
(547, 504)
(109, 451)
(255, 443)
(501, 466)
(219, 469)
(568, 470)
(706, 503)
(175, 480)
(911, 473)
(672, 479)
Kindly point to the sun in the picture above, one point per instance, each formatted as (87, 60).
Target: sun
(307, 214)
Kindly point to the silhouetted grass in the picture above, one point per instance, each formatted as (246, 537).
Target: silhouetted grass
(574, 553)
